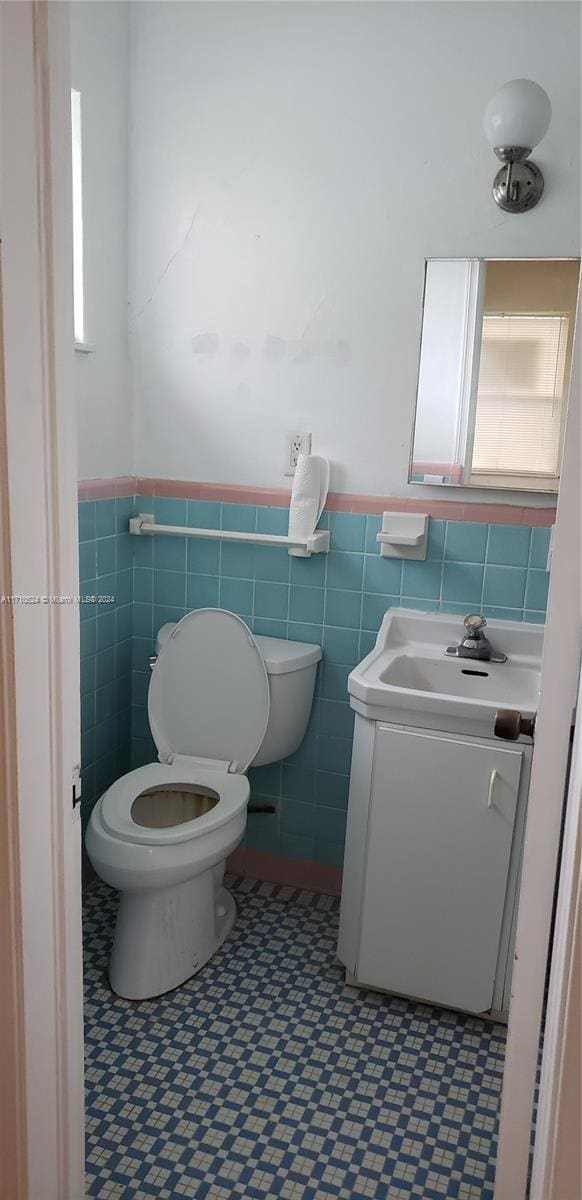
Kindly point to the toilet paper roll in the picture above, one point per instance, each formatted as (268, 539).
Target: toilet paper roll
(308, 497)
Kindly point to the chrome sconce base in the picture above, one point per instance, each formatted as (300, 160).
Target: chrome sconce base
(519, 185)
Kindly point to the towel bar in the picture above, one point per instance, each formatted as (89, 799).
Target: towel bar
(317, 543)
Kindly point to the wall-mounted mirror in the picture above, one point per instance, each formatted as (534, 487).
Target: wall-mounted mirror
(494, 373)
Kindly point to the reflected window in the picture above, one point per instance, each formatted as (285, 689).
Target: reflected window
(520, 394)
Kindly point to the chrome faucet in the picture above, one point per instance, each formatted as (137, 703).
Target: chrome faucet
(475, 644)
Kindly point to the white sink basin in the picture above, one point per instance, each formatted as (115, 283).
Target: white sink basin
(407, 678)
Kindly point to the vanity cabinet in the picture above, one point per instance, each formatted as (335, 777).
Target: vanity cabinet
(435, 824)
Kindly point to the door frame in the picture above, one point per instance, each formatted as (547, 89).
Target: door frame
(559, 684)
(41, 722)
(557, 1167)
(40, 640)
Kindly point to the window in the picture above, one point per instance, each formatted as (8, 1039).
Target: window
(78, 296)
(520, 394)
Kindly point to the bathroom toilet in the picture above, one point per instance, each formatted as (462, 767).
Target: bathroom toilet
(219, 701)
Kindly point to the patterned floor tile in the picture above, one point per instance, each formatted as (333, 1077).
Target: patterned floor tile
(266, 1077)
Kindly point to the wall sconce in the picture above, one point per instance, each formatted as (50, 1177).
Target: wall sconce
(516, 119)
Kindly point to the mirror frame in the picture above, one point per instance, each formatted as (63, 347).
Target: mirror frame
(490, 487)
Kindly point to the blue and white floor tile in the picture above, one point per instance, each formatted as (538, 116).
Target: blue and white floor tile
(265, 1076)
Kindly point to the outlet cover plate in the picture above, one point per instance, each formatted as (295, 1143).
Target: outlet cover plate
(297, 443)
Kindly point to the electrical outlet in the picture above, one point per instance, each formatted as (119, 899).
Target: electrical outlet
(297, 443)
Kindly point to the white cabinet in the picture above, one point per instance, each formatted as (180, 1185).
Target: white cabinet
(432, 858)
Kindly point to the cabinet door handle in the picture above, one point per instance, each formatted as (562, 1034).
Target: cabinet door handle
(492, 782)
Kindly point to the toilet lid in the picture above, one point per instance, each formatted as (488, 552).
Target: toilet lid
(209, 692)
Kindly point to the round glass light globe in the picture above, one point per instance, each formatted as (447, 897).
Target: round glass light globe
(518, 114)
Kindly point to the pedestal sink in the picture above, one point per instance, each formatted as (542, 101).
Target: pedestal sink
(436, 811)
(407, 674)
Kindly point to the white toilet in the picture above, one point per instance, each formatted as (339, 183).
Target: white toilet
(219, 700)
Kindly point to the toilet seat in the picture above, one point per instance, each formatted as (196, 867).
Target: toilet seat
(209, 692)
(116, 803)
(208, 708)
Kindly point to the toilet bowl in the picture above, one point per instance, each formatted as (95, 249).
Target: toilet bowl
(219, 700)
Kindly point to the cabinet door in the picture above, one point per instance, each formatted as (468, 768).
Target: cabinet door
(439, 843)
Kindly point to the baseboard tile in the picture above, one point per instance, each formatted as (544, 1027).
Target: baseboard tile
(293, 872)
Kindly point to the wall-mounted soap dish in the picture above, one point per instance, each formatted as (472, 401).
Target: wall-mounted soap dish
(403, 535)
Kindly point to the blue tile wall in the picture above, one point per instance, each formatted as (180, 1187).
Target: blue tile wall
(335, 600)
(106, 569)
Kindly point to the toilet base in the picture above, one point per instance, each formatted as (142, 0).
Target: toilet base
(165, 936)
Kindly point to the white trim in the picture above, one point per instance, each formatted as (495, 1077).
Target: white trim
(77, 192)
(561, 982)
(35, 198)
(559, 682)
(471, 353)
(84, 347)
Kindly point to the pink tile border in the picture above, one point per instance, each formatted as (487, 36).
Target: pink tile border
(293, 872)
(350, 502)
(106, 489)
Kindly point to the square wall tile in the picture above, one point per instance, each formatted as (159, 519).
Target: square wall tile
(348, 531)
(203, 514)
(105, 556)
(87, 562)
(237, 596)
(336, 718)
(306, 605)
(105, 524)
(106, 594)
(465, 541)
(332, 790)
(273, 520)
(203, 557)
(342, 608)
(462, 583)
(87, 521)
(539, 549)
(302, 631)
(382, 575)
(373, 609)
(271, 600)
(170, 588)
(267, 627)
(237, 561)
(202, 591)
(504, 587)
(88, 637)
(298, 783)
(272, 564)
(308, 572)
(341, 645)
(373, 527)
(509, 545)
(170, 553)
(367, 643)
(334, 681)
(536, 592)
(335, 754)
(142, 620)
(168, 511)
(435, 548)
(238, 517)
(345, 570)
(124, 509)
(422, 579)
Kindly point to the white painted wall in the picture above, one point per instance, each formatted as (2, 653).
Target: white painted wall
(291, 167)
(100, 70)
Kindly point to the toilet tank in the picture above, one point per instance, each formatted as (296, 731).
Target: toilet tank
(291, 668)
